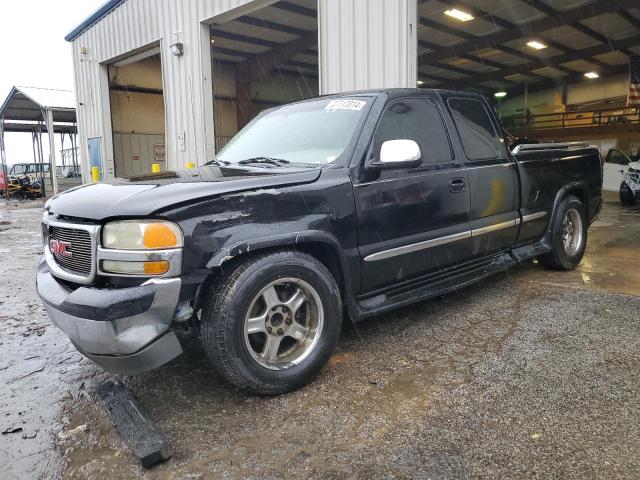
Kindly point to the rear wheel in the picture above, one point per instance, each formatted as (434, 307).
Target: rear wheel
(568, 236)
(627, 197)
(273, 322)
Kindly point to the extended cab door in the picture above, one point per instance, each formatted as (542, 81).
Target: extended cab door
(412, 221)
(493, 177)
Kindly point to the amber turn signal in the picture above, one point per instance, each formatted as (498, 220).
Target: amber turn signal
(159, 235)
(156, 268)
(135, 268)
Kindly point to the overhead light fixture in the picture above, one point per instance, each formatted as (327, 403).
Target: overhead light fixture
(536, 45)
(591, 75)
(458, 15)
(500, 94)
(420, 83)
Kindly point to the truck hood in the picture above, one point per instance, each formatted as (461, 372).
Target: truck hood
(153, 194)
(634, 166)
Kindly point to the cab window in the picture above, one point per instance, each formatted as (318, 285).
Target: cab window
(417, 119)
(479, 137)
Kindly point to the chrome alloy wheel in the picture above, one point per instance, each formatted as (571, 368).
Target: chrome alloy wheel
(284, 323)
(572, 235)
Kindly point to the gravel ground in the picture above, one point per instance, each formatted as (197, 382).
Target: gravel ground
(531, 374)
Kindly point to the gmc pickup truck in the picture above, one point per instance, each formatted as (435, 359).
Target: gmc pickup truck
(338, 207)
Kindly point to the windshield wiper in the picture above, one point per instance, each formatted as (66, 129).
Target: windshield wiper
(278, 162)
(218, 162)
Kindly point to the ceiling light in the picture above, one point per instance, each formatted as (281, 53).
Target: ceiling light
(459, 15)
(500, 94)
(591, 75)
(536, 45)
(420, 83)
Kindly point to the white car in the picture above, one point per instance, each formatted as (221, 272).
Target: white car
(623, 175)
(615, 166)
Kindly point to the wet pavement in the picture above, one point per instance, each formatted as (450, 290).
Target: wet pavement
(531, 374)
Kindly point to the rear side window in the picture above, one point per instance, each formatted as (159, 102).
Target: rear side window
(477, 133)
(417, 119)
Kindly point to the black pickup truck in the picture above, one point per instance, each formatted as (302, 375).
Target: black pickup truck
(338, 207)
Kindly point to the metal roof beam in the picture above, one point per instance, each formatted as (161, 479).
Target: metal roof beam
(427, 59)
(243, 38)
(260, 65)
(258, 22)
(531, 29)
(558, 59)
(293, 8)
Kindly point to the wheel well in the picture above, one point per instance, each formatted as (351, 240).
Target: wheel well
(321, 251)
(582, 196)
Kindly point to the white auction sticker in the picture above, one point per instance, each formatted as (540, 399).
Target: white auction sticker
(345, 105)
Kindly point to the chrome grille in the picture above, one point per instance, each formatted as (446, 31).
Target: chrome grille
(81, 260)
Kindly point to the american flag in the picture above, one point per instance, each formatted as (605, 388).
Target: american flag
(634, 81)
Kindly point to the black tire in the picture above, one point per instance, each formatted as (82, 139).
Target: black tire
(226, 310)
(560, 257)
(627, 198)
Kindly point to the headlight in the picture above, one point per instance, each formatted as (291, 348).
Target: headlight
(142, 235)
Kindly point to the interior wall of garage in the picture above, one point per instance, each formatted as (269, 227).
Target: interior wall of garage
(266, 93)
(551, 101)
(137, 116)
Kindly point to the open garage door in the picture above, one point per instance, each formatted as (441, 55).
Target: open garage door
(263, 59)
(137, 113)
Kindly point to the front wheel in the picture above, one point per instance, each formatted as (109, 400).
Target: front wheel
(627, 197)
(273, 322)
(568, 236)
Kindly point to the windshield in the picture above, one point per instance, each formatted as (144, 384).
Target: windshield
(316, 132)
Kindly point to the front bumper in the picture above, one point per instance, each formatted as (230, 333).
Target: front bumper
(124, 330)
(633, 180)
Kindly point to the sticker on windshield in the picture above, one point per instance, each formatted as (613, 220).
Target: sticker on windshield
(345, 105)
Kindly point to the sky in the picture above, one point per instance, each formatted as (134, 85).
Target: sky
(34, 53)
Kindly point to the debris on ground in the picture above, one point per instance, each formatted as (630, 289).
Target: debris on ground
(137, 431)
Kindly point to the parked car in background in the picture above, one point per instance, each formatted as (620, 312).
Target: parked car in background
(621, 175)
(335, 207)
(29, 169)
(616, 164)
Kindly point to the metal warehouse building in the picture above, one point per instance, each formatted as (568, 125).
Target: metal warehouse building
(170, 81)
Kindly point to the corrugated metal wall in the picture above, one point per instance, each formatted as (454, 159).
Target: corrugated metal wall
(186, 79)
(367, 44)
(363, 44)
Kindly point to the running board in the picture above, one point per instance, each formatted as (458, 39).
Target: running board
(432, 285)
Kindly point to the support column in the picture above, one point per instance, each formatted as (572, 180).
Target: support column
(3, 155)
(367, 44)
(243, 94)
(52, 150)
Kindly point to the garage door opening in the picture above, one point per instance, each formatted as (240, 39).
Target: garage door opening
(263, 59)
(137, 113)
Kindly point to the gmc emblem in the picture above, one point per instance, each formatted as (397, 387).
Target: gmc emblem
(58, 247)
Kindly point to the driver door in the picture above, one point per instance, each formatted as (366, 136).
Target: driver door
(412, 221)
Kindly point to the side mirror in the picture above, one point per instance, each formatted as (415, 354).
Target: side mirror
(398, 154)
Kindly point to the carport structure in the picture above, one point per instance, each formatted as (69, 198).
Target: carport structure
(37, 111)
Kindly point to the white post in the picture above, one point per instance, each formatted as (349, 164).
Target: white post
(52, 151)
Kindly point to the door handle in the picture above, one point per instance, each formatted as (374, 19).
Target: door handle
(457, 185)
